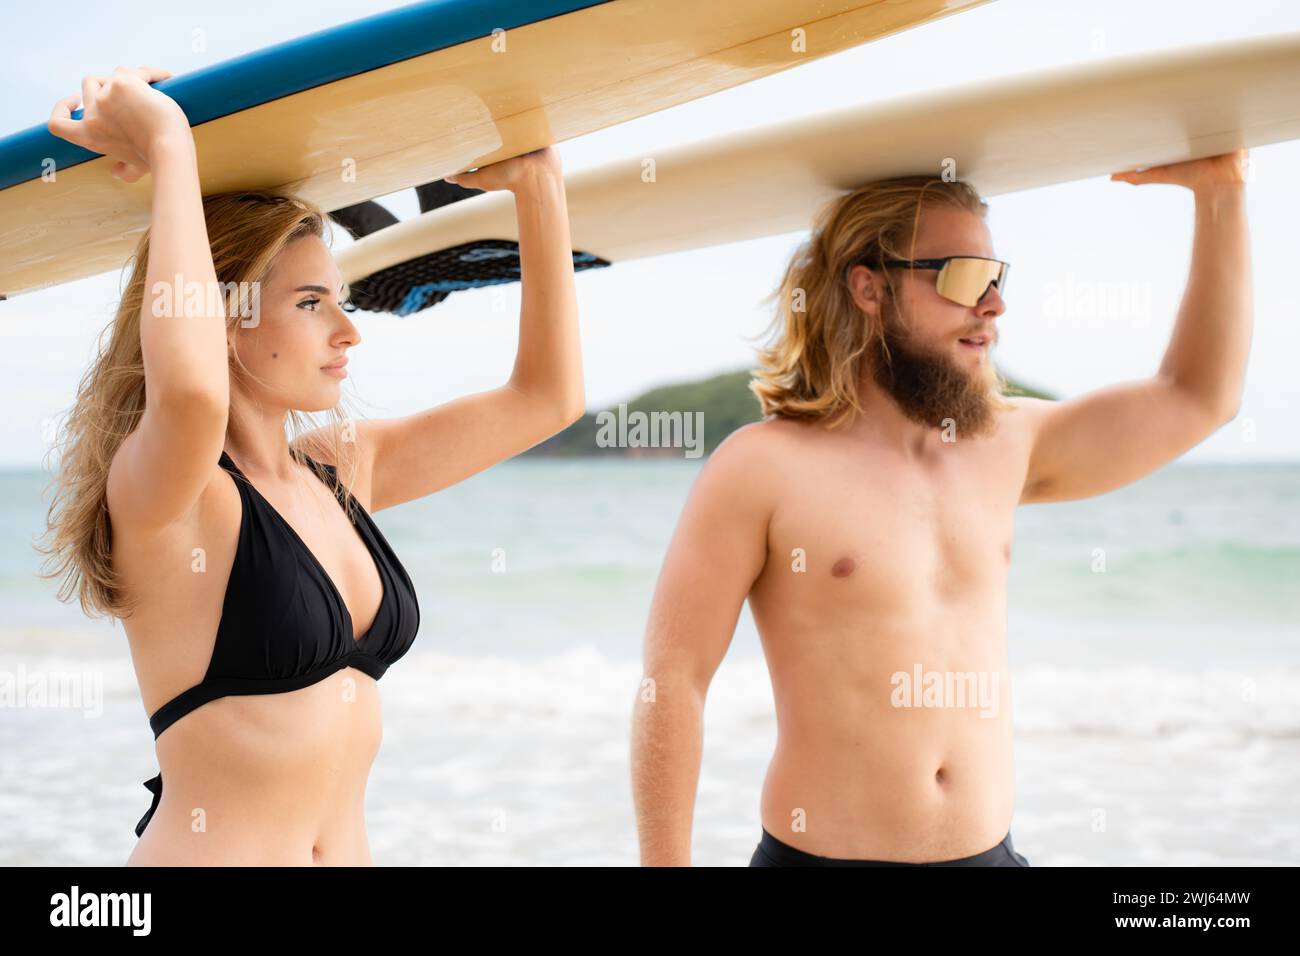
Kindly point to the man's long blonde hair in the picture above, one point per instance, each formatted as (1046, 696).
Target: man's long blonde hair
(247, 230)
(813, 362)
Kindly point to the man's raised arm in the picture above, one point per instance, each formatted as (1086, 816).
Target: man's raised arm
(1115, 435)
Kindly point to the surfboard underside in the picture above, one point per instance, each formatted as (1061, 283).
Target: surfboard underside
(466, 105)
(1011, 134)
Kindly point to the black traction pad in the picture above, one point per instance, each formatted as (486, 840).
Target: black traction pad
(417, 284)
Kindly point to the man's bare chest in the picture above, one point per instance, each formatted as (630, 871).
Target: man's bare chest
(891, 540)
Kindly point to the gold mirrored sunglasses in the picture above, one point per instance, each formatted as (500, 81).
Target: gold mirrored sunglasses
(962, 279)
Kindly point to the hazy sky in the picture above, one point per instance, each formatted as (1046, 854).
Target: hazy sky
(683, 316)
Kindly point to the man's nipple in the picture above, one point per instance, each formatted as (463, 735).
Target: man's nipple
(842, 568)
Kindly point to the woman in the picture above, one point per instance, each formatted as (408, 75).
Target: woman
(260, 601)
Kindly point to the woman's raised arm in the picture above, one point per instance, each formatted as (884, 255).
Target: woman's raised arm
(163, 466)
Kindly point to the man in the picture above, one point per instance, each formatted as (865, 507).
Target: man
(868, 519)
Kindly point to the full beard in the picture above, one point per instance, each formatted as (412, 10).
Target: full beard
(930, 387)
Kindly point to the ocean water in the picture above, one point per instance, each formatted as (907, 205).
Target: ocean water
(1155, 651)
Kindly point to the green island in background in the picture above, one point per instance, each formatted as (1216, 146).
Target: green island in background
(725, 400)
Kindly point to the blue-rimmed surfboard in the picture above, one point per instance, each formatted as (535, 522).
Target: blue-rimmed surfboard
(408, 96)
(1012, 133)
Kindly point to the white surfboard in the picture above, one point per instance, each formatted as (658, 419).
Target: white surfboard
(1008, 134)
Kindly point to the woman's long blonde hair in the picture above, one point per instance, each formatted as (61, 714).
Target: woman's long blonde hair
(247, 230)
(818, 341)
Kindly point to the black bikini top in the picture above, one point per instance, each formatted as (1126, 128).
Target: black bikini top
(283, 623)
